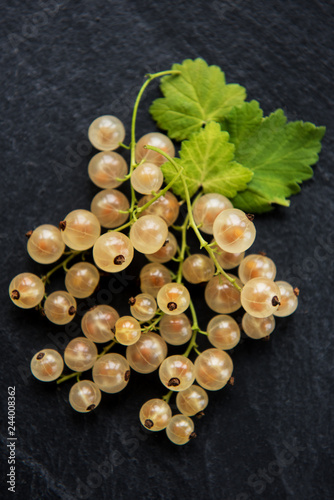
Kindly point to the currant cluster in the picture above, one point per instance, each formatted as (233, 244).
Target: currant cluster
(157, 315)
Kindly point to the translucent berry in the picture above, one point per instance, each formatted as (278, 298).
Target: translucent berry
(113, 252)
(105, 168)
(213, 369)
(80, 354)
(98, 323)
(177, 372)
(84, 396)
(108, 206)
(106, 132)
(147, 178)
(155, 414)
(180, 429)
(47, 365)
(198, 268)
(192, 401)
(127, 330)
(175, 330)
(233, 230)
(256, 266)
(289, 299)
(223, 332)
(143, 306)
(258, 328)
(147, 354)
(221, 295)
(260, 297)
(80, 229)
(148, 234)
(82, 279)
(60, 307)
(45, 244)
(111, 373)
(157, 140)
(26, 290)
(173, 298)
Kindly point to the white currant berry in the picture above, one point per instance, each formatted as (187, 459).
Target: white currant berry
(233, 230)
(80, 229)
(288, 300)
(106, 133)
(155, 414)
(47, 365)
(258, 328)
(111, 373)
(157, 140)
(84, 396)
(256, 266)
(223, 332)
(192, 401)
(147, 353)
(148, 234)
(60, 307)
(26, 290)
(221, 295)
(180, 429)
(173, 298)
(105, 168)
(213, 369)
(260, 297)
(45, 244)
(147, 178)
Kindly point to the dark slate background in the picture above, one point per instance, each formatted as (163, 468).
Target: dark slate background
(65, 63)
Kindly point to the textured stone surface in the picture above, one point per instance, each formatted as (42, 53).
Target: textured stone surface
(75, 61)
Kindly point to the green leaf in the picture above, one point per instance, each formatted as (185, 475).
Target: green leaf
(207, 159)
(279, 153)
(198, 95)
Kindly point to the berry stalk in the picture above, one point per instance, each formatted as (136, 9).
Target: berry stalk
(62, 264)
(150, 78)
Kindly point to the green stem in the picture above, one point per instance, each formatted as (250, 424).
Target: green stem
(123, 179)
(107, 348)
(121, 145)
(133, 201)
(120, 228)
(194, 316)
(167, 396)
(62, 264)
(149, 77)
(202, 241)
(67, 377)
(192, 343)
(183, 248)
(151, 326)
